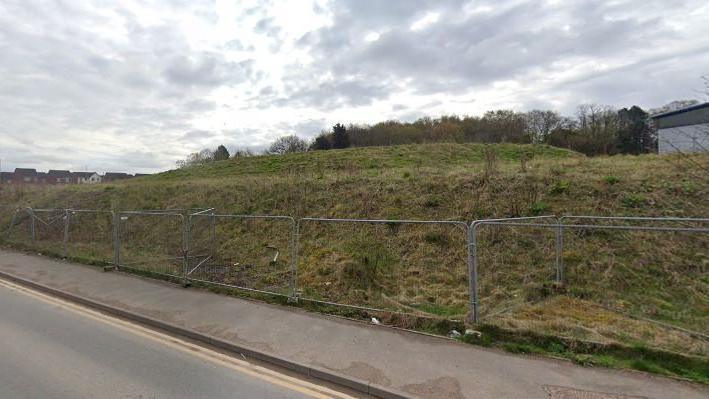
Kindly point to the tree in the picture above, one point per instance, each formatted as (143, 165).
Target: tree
(322, 142)
(340, 138)
(598, 127)
(541, 123)
(196, 158)
(635, 136)
(504, 125)
(242, 153)
(221, 153)
(287, 144)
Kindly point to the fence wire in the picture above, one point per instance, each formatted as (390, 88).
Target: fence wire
(90, 235)
(627, 279)
(243, 251)
(151, 242)
(412, 267)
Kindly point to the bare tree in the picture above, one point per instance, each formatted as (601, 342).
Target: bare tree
(196, 158)
(541, 123)
(287, 144)
(242, 153)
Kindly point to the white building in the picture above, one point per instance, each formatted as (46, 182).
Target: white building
(683, 130)
(87, 177)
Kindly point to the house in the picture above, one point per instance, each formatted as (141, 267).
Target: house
(58, 176)
(25, 176)
(113, 176)
(683, 130)
(42, 178)
(6, 177)
(85, 178)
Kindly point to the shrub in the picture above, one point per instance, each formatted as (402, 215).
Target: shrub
(634, 201)
(560, 187)
(539, 208)
(611, 180)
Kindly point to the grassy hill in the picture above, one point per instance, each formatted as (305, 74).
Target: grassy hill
(422, 269)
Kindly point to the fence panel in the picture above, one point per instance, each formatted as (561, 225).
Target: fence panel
(515, 265)
(7, 219)
(151, 242)
(416, 267)
(243, 251)
(19, 231)
(90, 235)
(47, 230)
(649, 268)
(623, 279)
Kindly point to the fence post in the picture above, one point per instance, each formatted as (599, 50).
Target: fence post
(473, 274)
(560, 250)
(295, 238)
(67, 214)
(185, 247)
(32, 226)
(213, 235)
(116, 217)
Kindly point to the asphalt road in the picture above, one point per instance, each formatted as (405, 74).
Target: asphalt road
(51, 349)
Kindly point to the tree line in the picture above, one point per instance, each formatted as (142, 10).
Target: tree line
(593, 130)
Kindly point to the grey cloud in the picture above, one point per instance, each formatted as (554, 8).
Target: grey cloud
(335, 94)
(305, 129)
(198, 135)
(65, 80)
(461, 52)
(206, 69)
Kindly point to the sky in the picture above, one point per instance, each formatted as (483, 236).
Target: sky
(135, 85)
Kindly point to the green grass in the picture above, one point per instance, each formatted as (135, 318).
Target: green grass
(635, 357)
(369, 159)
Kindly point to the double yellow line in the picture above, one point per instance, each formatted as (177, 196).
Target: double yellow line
(206, 354)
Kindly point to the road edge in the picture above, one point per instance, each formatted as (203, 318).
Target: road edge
(338, 379)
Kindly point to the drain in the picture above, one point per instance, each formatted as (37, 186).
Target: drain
(571, 393)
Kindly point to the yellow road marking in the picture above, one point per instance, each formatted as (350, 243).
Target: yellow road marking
(206, 354)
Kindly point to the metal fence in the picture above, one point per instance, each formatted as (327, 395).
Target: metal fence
(646, 268)
(152, 242)
(403, 266)
(441, 268)
(249, 252)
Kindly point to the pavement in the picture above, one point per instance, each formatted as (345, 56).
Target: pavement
(414, 364)
(50, 350)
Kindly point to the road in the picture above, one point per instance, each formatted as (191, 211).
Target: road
(53, 349)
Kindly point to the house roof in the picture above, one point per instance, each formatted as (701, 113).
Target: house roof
(58, 173)
(681, 111)
(83, 174)
(116, 174)
(25, 171)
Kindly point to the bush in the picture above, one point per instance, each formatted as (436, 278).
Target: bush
(634, 201)
(539, 208)
(560, 187)
(611, 180)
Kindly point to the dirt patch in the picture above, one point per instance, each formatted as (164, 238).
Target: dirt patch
(439, 388)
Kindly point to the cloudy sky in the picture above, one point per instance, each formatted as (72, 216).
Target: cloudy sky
(134, 85)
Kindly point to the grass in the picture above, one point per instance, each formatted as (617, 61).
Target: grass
(422, 269)
(636, 357)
